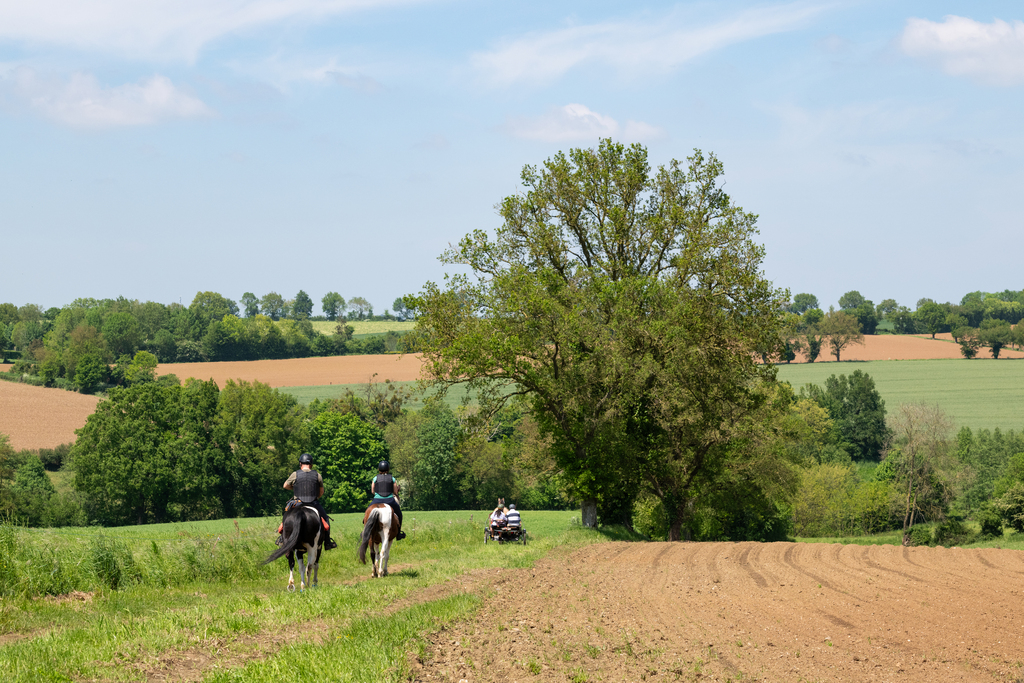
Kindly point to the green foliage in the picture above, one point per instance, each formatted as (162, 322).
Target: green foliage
(840, 329)
(113, 562)
(333, 305)
(251, 305)
(803, 302)
(857, 411)
(346, 451)
(903, 321)
(122, 334)
(990, 522)
(142, 368)
(650, 518)
(866, 318)
(852, 300)
(302, 307)
(952, 532)
(90, 373)
(272, 305)
(931, 317)
(833, 501)
(919, 535)
(1010, 506)
(437, 464)
(604, 315)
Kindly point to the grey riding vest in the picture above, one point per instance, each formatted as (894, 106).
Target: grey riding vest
(307, 486)
(385, 485)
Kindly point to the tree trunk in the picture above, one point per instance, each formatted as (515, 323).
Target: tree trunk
(588, 512)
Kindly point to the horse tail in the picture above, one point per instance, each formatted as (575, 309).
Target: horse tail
(292, 527)
(364, 540)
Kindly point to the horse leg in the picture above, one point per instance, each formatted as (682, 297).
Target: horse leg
(385, 551)
(291, 572)
(314, 560)
(302, 571)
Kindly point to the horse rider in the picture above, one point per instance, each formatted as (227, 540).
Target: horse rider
(512, 517)
(385, 489)
(309, 487)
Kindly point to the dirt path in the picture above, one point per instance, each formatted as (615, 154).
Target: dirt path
(745, 611)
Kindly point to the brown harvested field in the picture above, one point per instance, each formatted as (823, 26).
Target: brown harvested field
(36, 417)
(904, 347)
(304, 372)
(743, 611)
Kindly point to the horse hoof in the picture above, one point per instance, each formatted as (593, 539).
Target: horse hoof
(291, 587)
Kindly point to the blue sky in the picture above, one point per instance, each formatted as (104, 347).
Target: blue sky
(156, 149)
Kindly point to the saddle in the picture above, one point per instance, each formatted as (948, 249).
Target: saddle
(295, 502)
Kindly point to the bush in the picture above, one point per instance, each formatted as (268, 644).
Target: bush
(991, 523)
(1011, 506)
(54, 458)
(952, 532)
(650, 518)
(920, 534)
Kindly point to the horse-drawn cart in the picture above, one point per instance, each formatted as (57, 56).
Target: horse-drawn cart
(505, 534)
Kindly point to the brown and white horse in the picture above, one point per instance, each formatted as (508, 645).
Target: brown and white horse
(380, 526)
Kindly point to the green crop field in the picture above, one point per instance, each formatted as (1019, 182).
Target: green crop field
(152, 601)
(362, 327)
(305, 395)
(980, 393)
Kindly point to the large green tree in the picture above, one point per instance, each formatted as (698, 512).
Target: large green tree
(302, 308)
(624, 305)
(346, 451)
(333, 304)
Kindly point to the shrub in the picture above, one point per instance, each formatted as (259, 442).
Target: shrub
(920, 534)
(1011, 506)
(952, 532)
(991, 523)
(650, 518)
(54, 458)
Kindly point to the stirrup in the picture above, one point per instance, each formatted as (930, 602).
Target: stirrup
(330, 545)
(400, 536)
(280, 539)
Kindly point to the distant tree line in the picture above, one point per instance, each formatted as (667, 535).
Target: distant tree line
(156, 452)
(91, 342)
(980, 320)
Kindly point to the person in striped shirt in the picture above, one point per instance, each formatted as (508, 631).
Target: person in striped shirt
(512, 518)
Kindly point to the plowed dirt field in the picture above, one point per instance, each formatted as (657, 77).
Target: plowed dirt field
(904, 347)
(36, 417)
(744, 611)
(292, 372)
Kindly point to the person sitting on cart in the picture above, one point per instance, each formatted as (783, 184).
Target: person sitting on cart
(498, 519)
(512, 517)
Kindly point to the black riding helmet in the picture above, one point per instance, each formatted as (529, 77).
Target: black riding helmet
(384, 466)
(305, 459)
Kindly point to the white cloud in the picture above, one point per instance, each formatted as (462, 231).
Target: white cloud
(81, 102)
(631, 46)
(576, 122)
(163, 29)
(991, 53)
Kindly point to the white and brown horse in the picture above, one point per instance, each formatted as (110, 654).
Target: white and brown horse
(380, 527)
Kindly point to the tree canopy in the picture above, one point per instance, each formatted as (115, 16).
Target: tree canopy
(624, 305)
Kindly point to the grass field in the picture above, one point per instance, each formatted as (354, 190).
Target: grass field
(365, 327)
(305, 395)
(195, 593)
(980, 394)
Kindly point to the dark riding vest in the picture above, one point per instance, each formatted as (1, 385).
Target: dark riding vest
(307, 486)
(385, 485)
